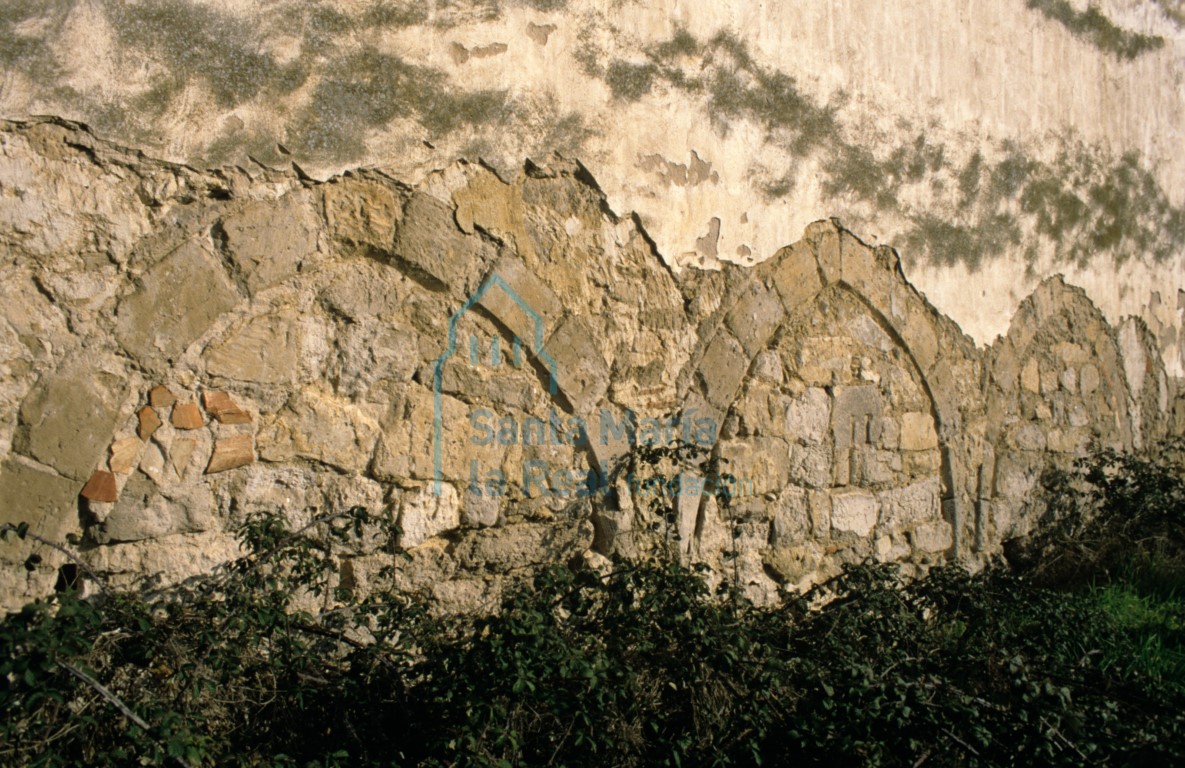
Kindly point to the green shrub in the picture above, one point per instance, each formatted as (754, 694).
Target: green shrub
(269, 662)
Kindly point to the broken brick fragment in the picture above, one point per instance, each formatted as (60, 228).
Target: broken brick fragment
(149, 422)
(187, 416)
(231, 452)
(101, 487)
(123, 454)
(222, 407)
(161, 397)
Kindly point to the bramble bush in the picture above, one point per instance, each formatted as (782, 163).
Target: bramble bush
(636, 664)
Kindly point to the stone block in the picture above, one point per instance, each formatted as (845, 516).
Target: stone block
(266, 350)
(853, 511)
(181, 453)
(267, 240)
(793, 564)
(824, 235)
(503, 385)
(230, 453)
(143, 513)
(855, 416)
(1005, 369)
(759, 409)
(919, 464)
(917, 331)
(177, 300)
(917, 432)
(423, 514)
(433, 249)
(768, 367)
(904, 507)
(1016, 475)
(870, 466)
(1075, 442)
(1069, 380)
(796, 275)
(580, 368)
(521, 301)
(480, 511)
(48, 502)
(1027, 437)
(934, 536)
(487, 203)
(760, 464)
(405, 447)
(123, 454)
(808, 417)
(363, 212)
(187, 555)
(67, 419)
(1030, 376)
(755, 316)
(791, 517)
(152, 462)
(320, 427)
(810, 465)
(520, 545)
(890, 434)
(1049, 381)
(1088, 379)
(722, 370)
(1071, 353)
(864, 271)
(820, 506)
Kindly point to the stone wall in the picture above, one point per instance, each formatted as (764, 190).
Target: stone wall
(180, 349)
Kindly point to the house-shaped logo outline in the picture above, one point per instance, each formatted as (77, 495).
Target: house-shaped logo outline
(438, 373)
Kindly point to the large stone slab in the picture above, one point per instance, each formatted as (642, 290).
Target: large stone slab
(68, 419)
(319, 427)
(853, 511)
(46, 501)
(755, 317)
(175, 303)
(265, 350)
(722, 370)
(431, 248)
(364, 211)
(267, 241)
(581, 371)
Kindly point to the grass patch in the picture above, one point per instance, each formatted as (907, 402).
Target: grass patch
(1152, 628)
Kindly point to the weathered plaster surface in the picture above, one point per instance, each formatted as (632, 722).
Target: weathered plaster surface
(994, 144)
